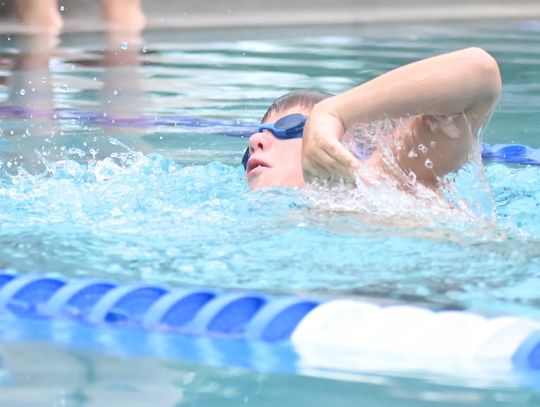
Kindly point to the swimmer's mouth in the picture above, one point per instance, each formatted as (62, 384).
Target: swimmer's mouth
(255, 163)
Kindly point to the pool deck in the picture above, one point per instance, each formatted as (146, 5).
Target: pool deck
(84, 15)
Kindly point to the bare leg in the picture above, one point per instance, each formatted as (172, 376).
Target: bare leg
(124, 15)
(40, 15)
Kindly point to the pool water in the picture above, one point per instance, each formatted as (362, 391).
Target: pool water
(98, 180)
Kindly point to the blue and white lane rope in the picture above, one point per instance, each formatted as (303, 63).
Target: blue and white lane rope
(330, 334)
(504, 153)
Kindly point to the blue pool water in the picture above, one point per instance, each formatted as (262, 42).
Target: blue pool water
(164, 203)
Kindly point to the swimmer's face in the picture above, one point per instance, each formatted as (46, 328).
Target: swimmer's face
(275, 162)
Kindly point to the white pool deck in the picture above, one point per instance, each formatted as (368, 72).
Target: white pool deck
(84, 15)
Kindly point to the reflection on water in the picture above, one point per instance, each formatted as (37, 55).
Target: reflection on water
(42, 133)
(90, 379)
(84, 379)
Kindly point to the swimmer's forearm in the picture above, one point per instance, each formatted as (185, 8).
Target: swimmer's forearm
(443, 85)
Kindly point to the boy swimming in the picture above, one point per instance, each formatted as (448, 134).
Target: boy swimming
(443, 103)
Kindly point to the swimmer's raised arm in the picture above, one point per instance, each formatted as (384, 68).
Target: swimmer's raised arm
(465, 82)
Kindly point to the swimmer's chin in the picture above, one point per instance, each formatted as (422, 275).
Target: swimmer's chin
(262, 182)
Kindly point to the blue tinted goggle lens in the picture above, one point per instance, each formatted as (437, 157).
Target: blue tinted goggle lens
(287, 128)
(290, 126)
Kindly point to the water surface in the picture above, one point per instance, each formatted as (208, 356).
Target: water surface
(100, 178)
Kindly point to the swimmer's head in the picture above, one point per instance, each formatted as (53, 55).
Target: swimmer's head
(278, 162)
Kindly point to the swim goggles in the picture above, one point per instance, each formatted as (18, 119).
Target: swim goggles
(287, 128)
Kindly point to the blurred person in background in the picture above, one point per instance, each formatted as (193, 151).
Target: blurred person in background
(45, 15)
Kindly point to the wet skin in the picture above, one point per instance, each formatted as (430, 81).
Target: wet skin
(275, 162)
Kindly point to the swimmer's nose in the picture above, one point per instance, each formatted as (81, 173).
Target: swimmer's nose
(260, 141)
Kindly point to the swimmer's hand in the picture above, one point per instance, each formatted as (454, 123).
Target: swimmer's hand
(323, 155)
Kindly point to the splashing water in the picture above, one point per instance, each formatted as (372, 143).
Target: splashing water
(384, 189)
(136, 216)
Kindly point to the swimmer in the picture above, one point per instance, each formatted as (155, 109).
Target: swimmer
(44, 15)
(443, 104)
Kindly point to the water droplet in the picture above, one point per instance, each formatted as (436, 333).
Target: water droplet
(412, 154)
(9, 38)
(144, 49)
(428, 164)
(412, 177)
(22, 92)
(115, 92)
(124, 45)
(44, 79)
(94, 78)
(422, 148)
(62, 8)
(64, 87)
(432, 144)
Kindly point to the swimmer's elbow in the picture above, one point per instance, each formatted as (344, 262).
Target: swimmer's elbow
(487, 72)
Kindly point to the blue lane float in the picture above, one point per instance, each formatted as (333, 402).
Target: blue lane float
(511, 153)
(193, 311)
(253, 329)
(504, 153)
